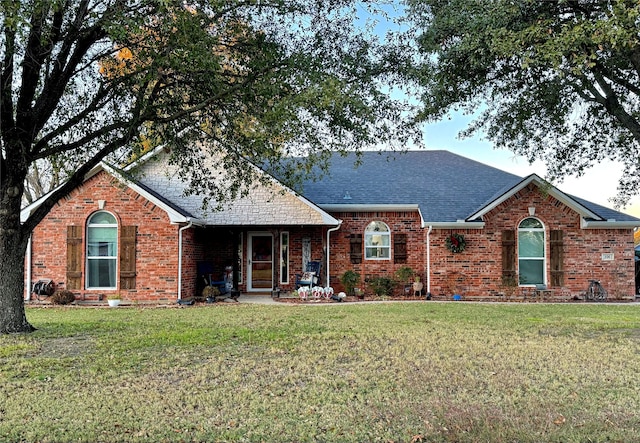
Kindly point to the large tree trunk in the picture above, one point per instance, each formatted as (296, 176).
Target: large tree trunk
(13, 245)
(12, 313)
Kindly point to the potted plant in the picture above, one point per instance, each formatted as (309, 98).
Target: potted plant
(350, 279)
(114, 300)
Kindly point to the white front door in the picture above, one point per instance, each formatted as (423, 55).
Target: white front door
(260, 262)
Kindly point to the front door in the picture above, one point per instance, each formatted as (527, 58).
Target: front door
(260, 252)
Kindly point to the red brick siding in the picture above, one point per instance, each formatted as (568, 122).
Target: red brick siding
(156, 242)
(481, 266)
(355, 223)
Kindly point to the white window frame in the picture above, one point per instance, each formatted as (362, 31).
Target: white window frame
(542, 258)
(371, 244)
(89, 258)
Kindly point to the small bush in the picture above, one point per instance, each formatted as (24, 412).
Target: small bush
(381, 286)
(62, 297)
(210, 291)
(350, 279)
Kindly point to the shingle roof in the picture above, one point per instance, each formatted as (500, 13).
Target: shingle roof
(445, 186)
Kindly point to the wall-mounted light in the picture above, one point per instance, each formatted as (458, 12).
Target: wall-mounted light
(532, 210)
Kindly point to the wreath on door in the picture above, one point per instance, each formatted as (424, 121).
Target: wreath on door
(455, 243)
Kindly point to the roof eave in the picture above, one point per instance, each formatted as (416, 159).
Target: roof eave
(552, 191)
(369, 208)
(459, 224)
(608, 224)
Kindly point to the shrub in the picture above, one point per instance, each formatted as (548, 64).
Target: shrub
(404, 274)
(381, 286)
(349, 279)
(210, 291)
(62, 297)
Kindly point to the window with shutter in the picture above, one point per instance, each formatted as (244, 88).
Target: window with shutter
(102, 251)
(377, 241)
(531, 252)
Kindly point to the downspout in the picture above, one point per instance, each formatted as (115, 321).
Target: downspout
(329, 231)
(187, 226)
(429, 262)
(28, 282)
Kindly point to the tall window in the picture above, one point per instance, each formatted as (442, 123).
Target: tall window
(377, 241)
(531, 253)
(284, 257)
(102, 250)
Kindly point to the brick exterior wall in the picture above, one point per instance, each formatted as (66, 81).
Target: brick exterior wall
(156, 240)
(355, 223)
(476, 272)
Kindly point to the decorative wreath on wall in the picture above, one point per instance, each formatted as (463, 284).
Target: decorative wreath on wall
(456, 243)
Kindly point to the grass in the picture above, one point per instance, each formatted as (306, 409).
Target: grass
(401, 372)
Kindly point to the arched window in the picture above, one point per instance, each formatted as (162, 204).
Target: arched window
(377, 241)
(102, 250)
(531, 252)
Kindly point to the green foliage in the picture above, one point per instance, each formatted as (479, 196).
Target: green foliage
(404, 274)
(382, 286)
(62, 297)
(350, 279)
(386, 372)
(550, 80)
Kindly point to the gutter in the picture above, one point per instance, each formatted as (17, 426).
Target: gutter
(459, 224)
(187, 226)
(608, 224)
(329, 231)
(28, 282)
(429, 262)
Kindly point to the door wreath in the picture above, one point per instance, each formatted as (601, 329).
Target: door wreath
(456, 243)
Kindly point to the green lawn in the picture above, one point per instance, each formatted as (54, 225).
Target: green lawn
(398, 372)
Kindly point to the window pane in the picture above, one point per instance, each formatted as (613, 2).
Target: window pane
(102, 218)
(531, 244)
(377, 240)
(102, 242)
(372, 252)
(531, 223)
(102, 273)
(531, 272)
(377, 226)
